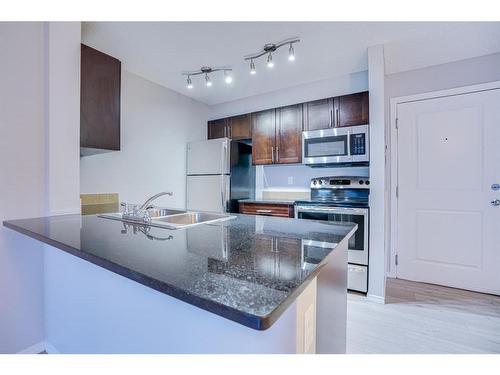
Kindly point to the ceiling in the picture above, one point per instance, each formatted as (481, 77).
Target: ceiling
(160, 51)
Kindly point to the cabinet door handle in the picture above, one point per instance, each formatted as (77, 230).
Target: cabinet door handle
(277, 153)
(337, 117)
(272, 154)
(331, 118)
(264, 211)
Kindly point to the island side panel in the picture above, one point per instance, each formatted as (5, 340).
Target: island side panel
(91, 310)
(331, 315)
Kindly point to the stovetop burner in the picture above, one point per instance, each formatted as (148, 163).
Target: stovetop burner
(352, 191)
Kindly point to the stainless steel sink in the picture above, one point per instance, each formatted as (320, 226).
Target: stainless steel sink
(189, 219)
(173, 219)
(159, 212)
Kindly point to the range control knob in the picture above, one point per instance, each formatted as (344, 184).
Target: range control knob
(314, 182)
(367, 182)
(361, 182)
(320, 182)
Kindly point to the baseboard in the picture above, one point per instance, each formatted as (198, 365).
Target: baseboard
(40, 347)
(374, 298)
(34, 349)
(50, 349)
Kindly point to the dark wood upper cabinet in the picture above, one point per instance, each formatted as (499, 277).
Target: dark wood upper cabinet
(218, 128)
(240, 127)
(263, 137)
(289, 134)
(318, 114)
(351, 110)
(99, 101)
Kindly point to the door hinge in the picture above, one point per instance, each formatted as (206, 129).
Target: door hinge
(397, 123)
(396, 259)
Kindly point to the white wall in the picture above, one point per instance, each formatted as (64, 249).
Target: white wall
(439, 77)
(335, 86)
(39, 125)
(62, 95)
(22, 182)
(276, 177)
(378, 191)
(156, 124)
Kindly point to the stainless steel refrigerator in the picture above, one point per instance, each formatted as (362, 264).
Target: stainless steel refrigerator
(219, 173)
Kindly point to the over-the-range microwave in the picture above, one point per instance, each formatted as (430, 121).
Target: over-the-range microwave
(336, 146)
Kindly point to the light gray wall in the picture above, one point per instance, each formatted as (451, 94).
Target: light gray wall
(277, 177)
(467, 72)
(334, 86)
(22, 183)
(445, 76)
(156, 124)
(39, 137)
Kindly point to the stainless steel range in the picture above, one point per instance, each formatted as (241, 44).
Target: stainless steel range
(343, 199)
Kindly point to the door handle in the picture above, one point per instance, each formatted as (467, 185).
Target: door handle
(495, 202)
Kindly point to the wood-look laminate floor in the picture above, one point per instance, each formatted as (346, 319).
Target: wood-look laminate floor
(424, 318)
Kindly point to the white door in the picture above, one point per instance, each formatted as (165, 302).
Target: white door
(208, 157)
(207, 193)
(448, 162)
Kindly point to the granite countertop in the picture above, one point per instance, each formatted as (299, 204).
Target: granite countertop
(268, 201)
(248, 269)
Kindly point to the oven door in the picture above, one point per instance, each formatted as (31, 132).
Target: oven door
(358, 243)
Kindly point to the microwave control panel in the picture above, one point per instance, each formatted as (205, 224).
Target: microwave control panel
(358, 144)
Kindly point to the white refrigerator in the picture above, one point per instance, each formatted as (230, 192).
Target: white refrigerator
(219, 172)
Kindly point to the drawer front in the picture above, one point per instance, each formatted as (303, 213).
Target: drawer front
(282, 210)
(357, 278)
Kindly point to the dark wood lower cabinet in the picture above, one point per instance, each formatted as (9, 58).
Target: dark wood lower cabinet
(267, 209)
(289, 134)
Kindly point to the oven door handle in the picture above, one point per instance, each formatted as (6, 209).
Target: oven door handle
(333, 210)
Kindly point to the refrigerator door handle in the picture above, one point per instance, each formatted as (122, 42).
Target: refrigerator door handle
(222, 192)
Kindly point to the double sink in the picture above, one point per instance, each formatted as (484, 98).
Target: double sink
(171, 219)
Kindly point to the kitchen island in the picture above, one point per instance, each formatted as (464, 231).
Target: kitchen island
(245, 285)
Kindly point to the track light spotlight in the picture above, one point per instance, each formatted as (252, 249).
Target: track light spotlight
(227, 77)
(291, 53)
(189, 83)
(252, 68)
(270, 62)
(207, 80)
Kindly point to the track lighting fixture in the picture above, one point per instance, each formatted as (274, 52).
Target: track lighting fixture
(207, 71)
(269, 49)
(252, 67)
